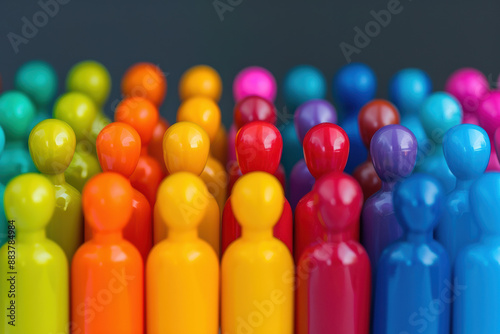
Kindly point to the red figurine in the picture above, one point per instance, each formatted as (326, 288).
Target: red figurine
(373, 116)
(142, 115)
(258, 148)
(326, 148)
(333, 276)
(118, 149)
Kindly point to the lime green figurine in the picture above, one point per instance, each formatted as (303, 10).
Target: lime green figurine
(16, 114)
(52, 145)
(93, 79)
(34, 270)
(38, 80)
(79, 111)
(3, 220)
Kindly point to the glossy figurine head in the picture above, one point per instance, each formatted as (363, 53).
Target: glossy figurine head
(375, 115)
(145, 80)
(467, 143)
(254, 80)
(439, 113)
(257, 201)
(38, 80)
(489, 113)
(301, 84)
(90, 78)
(469, 86)
(418, 203)
(254, 108)
(408, 90)
(201, 80)
(484, 199)
(202, 111)
(16, 114)
(312, 113)
(78, 110)
(52, 145)
(258, 147)
(393, 150)
(118, 148)
(30, 200)
(340, 198)
(183, 199)
(353, 86)
(139, 113)
(186, 147)
(107, 202)
(326, 149)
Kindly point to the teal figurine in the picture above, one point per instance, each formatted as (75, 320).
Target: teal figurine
(413, 282)
(439, 113)
(3, 219)
(301, 84)
(38, 80)
(477, 267)
(16, 116)
(462, 143)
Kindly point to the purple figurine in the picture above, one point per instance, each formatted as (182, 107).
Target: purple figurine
(394, 152)
(308, 114)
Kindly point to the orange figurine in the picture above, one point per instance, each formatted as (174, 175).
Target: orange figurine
(372, 117)
(118, 150)
(142, 115)
(107, 286)
(148, 81)
(205, 112)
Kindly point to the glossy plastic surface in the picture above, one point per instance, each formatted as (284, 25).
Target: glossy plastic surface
(145, 80)
(90, 78)
(408, 90)
(155, 147)
(254, 80)
(202, 111)
(489, 119)
(394, 151)
(440, 112)
(38, 80)
(3, 220)
(183, 270)
(107, 270)
(52, 146)
(254, 108)
(303, 83)
(200, 80)
(41, 279)
(416, 264)
(373, 116)
(219, 146)
(257, 269)
(457, 228)
(118, 150)
(345, 305)
(477, 267)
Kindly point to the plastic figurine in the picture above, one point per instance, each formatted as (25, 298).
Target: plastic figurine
(3, 220)
(489, 119)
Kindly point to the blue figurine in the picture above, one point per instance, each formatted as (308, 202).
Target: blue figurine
(301, 84)
(408, 90)
(467, 152)
(393, 149)
(354, 85)
(477, 268)
(440, 112)
(414, 277)
(16, 115)
(3, 219)
(308, 115)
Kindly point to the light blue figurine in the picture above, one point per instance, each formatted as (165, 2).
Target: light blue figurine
(353, 86)
(16, 115)
(476, 295)
(413, 281)
(440, 112)
(408, 90)
(467, 152)
(301, 84)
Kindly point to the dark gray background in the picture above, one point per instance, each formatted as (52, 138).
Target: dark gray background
(437, 36)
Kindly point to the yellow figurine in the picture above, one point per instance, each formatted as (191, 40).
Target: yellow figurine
(205, 112)
(52, 145)
(92, 79)
(34, 270)
(79, 111)
(257, 269)
(182, 274)
(186, 148)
